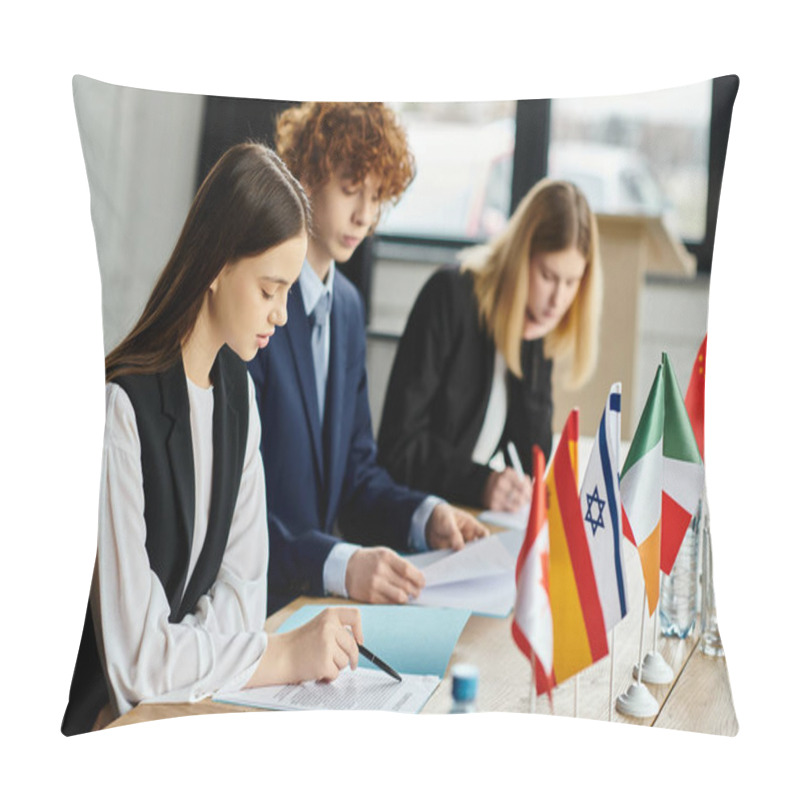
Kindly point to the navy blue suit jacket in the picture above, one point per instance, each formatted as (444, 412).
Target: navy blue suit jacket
(320, 476)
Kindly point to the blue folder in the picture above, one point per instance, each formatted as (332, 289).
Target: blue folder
(414, 640)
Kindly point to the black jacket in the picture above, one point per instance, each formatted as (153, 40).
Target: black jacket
(439, 389)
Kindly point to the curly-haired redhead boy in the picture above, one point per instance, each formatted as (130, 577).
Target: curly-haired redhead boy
(323, 481)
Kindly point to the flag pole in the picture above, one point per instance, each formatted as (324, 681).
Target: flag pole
(638, 672)
(654, 668)
(532, 698)
(637, 701)
(655, 616)
(611, 678)
(575, 707)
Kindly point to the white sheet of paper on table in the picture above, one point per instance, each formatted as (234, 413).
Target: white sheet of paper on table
(517, 520)
(477, 559)
(493, 555)
(359, 690)
(480, 577)
(493, 595)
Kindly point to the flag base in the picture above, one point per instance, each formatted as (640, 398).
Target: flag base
(655, 669)
(637, 702)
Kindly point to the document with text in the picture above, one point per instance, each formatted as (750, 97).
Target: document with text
(359, 690)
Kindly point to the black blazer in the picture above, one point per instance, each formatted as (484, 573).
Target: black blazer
(438, 393)
(161, 405)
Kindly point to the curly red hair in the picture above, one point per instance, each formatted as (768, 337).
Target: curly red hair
(318, 140)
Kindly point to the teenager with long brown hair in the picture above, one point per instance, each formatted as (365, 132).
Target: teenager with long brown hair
(178, 596)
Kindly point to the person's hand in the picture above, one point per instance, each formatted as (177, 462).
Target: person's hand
(318, 650)
(507, 491)
(379, 575)
(450, 527)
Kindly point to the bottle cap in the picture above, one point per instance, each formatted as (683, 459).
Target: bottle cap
(465, 682)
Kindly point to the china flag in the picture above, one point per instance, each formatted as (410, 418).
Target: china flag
(695, 400)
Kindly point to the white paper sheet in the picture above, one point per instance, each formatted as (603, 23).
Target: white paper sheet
(493, 595)
(505, 519)
(477, 559)
(359, 690)
(480, 577)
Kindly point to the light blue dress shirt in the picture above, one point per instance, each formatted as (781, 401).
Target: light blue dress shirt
(335, 567)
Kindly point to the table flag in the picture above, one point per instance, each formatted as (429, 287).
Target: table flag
(602, 514)
(684, 474)
(579, 633)
(640, 488)
(695, 400)
(532, 623)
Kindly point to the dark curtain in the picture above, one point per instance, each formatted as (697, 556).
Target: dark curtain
(230, 120)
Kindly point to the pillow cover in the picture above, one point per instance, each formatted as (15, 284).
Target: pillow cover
(651, 166)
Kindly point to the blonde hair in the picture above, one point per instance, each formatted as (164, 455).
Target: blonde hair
(553, 216)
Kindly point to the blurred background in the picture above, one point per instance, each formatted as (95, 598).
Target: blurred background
(650, 165)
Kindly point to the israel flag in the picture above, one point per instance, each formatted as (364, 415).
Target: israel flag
(601, 509)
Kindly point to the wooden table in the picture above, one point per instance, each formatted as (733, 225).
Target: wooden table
(698, 699)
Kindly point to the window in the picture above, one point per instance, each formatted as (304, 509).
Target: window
(638, 154)
(657, 153)
(464, 154)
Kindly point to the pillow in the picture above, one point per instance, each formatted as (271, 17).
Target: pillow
(651, 166)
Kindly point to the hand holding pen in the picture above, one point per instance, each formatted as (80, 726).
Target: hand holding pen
(370, 656)
(509, 490)
(378, 663)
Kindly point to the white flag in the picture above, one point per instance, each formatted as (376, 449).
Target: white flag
(602, 513)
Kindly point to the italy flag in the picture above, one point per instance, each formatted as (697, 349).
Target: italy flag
(662, 480)
(684, 474)
(640, 485)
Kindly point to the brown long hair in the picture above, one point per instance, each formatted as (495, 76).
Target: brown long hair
(553, 216)
(248, 203)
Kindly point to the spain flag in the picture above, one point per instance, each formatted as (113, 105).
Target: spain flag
(579, 631)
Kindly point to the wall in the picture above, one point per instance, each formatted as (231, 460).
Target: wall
(140, 149)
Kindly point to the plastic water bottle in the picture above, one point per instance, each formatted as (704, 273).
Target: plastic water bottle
(465, 688)
(678, 602)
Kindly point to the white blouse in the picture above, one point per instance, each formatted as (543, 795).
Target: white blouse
(217, 646)
(494, 422)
